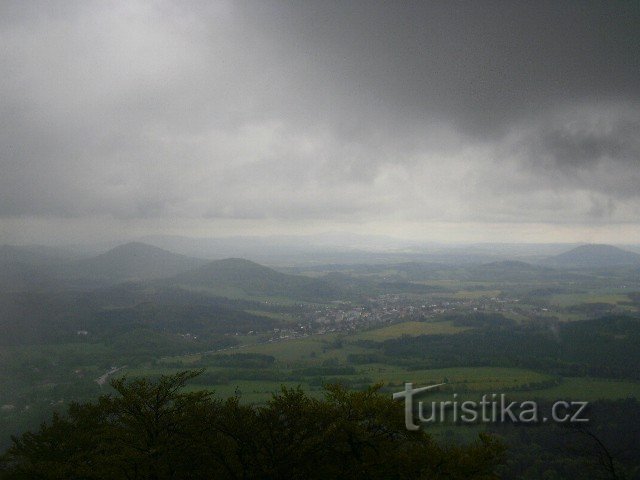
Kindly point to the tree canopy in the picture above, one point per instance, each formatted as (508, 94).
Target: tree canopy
(156, 431)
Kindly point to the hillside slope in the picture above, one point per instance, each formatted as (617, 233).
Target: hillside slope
(132, 261)
(240, 277)
(595, 256)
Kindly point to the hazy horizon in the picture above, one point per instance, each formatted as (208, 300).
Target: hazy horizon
(326, 247)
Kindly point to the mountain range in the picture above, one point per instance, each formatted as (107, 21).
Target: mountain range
(24, 268)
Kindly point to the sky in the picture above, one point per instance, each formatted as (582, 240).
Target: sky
(438, 121)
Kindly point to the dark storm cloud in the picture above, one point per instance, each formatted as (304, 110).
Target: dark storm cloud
(327, 111)
(483, 64)
(583, 147)
(590, 149)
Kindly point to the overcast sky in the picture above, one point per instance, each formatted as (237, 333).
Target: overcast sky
(471, 121)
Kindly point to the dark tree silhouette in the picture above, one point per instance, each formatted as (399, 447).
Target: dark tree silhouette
(155, 431)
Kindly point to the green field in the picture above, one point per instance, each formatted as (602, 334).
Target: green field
(569, 299)
(457, 379)
(408, 328)
(293, 355)
(316, 348)
(468, 382)
(591, 389)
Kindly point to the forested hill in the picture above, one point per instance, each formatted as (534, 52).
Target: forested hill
(240, 277)
(132, 261)
(595, 256)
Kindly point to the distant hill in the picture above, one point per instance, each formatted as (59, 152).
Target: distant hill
(595, 256)
(132, 261)
(239, 277)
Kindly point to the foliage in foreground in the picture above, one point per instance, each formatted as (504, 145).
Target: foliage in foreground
(155, 431)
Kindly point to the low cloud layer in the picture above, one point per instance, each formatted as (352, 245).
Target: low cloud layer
(325, 114)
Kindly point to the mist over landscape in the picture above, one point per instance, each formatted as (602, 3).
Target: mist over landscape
(236, 237)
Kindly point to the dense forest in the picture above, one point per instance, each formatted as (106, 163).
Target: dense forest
(154, 431)
(607, 347)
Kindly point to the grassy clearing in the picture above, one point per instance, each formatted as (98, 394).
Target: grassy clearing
(302, 351)
(464, 380)
(569, 299)
(408, 328)
(570, 388)
(317, 348)
(469, 383)
(457, 379)
(591, 389)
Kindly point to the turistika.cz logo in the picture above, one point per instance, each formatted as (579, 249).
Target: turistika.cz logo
(492, 408)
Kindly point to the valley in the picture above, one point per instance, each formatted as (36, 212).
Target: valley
(530, 331)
